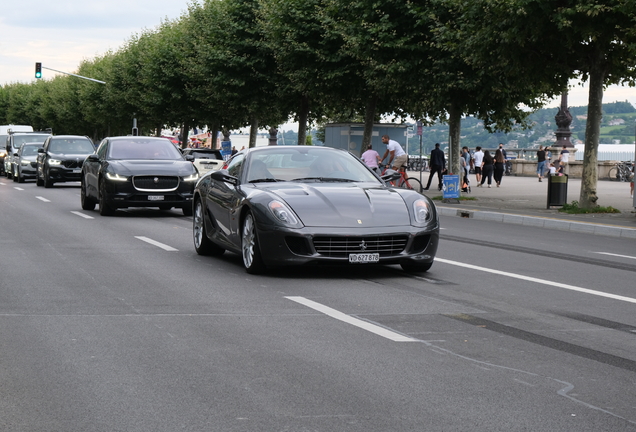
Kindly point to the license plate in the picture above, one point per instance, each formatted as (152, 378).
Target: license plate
(364, 258)
(155, 197)
(77, 170)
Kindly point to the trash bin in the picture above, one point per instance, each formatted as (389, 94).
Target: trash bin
(557, 190)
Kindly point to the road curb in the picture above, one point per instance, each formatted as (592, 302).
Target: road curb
(540, 222)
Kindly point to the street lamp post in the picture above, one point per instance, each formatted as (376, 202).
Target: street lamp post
(563, 120)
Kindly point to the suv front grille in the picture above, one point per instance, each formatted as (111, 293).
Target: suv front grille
(70, 163)
(341, 247)
(155, 183)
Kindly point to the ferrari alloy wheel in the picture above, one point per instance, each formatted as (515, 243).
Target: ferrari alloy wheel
(88, 203)
(252, 258)
(202, 244)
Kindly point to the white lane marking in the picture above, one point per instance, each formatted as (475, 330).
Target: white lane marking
(380, 331)
(18, 188)
(85, 216)
(156, 243)
(42, 199)
(540, 281)
(616, 255)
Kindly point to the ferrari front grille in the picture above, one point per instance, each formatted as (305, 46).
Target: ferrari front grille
(341, 247)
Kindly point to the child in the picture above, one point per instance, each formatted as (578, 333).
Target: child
(552, 169)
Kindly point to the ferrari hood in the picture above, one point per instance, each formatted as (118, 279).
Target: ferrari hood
(350, 205)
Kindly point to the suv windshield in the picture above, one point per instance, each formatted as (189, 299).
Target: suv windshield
(30, 150)
(155, 149)
(18, 140)
(71, 145)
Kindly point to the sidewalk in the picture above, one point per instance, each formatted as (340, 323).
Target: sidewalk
(523, 200)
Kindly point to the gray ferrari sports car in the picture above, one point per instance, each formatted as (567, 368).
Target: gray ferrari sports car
(293, 205)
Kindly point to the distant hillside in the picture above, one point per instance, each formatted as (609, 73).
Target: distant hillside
(617, 127)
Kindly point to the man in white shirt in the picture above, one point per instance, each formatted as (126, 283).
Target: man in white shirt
(565, 157)
(478, 157)
(398, 156)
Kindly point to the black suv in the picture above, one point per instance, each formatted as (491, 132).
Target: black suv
(61, 159)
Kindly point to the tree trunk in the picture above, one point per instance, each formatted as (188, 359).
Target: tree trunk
(369, 120)
(213, 129)
(454, 131)
(589, 177)
(253, 131)
(184, 134)
(303, 115)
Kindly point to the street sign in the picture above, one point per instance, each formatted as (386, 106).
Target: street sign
(419, 128)
(451, 187)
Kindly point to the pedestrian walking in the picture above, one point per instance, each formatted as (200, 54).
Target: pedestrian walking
(541, 163)
(438, 164)
(478, 158)
(487, 167)
(499, 167)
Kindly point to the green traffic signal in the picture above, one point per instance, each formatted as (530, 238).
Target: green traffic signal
(38, 70)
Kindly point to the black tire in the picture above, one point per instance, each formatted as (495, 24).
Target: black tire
(38, 181)
(187, 210)
(15, 175)
(105, 209)
(46, 180)
(88, 203)
(202, 244)
(20, 178)
(416, 268)
(412, 183)
(250, 249)
(613, 174)
(8, 172)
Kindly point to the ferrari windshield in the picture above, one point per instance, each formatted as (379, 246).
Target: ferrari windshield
(308, 164)
(144, 149)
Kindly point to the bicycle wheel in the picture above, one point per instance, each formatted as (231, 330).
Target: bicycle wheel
(613, 174)
(412, 183)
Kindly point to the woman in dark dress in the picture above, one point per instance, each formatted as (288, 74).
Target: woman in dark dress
(500, 163)
(487, 166)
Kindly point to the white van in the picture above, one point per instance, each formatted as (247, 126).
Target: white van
(4, 135)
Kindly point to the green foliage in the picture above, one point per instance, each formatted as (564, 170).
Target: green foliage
(573, 208)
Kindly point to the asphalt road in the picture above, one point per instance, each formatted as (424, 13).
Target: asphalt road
(115, 324)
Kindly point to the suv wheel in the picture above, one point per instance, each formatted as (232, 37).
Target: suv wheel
(46, 181)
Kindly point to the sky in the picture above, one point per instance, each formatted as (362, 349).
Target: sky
(62, 33)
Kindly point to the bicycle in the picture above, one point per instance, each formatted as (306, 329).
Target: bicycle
(404, 181)
(621, 171)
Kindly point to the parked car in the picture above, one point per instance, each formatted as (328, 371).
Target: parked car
(61, 159)
(205, 159)
(26, 161)
(137, 171)
(292, 205)
(13, 143)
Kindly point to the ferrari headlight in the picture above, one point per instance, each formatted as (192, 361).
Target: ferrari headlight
(115, 177)
(422, 211)
(190, 178)
(283, 213)
(55, 162)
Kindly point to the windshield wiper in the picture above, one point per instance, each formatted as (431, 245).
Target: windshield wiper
(265, 180)
(324, 179)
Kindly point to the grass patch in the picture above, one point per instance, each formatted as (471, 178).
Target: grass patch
(573, 208)
(461, 198)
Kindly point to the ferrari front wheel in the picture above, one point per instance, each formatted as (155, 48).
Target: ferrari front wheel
(252, 258)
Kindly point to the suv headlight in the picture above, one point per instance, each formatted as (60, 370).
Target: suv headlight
(116, 177)
(55, 162)
(191, 178)
(25, 162)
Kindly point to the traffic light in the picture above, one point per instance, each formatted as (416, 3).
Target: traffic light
(38, 70)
